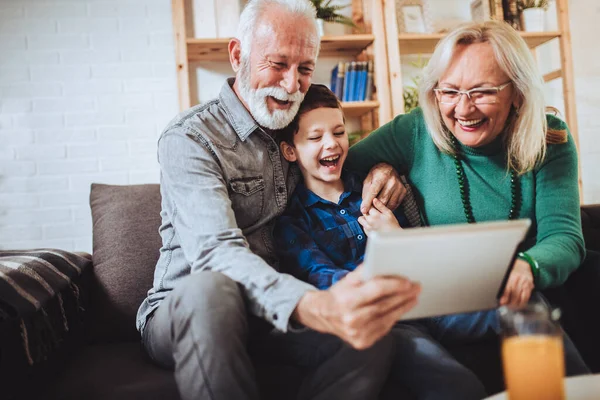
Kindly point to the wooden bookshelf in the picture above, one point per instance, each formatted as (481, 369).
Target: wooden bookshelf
(331, 46)
(416, 43)
(367, 15)
(359, 108)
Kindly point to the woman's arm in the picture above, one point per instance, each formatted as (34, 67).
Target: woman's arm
(559, 247)
(392, 143)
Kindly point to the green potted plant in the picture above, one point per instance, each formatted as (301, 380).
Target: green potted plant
(533, 14)
(327, 12)
(411, 92)
(356, 136)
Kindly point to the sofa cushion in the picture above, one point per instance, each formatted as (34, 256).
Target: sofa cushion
(590, 223)
(116, 371)
(126, 248)
(42, 302)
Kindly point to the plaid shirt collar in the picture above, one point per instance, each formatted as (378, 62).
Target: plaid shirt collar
(352, 183)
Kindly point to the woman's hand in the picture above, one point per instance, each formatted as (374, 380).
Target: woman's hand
(378, 218)
(384, 183)
(519, 285)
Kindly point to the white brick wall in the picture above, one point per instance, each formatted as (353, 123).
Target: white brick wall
(85, 88)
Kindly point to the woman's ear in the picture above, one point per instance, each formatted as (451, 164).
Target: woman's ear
(517, 101)
(288, 151)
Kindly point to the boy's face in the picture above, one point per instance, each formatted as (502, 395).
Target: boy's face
(320, 146)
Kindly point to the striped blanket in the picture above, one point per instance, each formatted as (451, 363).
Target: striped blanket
(39, 293)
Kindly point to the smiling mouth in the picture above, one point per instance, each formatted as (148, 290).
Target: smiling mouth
(282, 103)
(471, 123)
(330, 162)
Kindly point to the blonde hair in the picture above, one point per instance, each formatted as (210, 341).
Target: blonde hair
(527, 128)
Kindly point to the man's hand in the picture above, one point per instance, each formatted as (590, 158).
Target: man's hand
(379, 218)
(384, 183)
(359, 312)
(519, 285)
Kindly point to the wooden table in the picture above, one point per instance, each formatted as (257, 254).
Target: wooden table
(583, 387)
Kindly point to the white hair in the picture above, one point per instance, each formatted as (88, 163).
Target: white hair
(256, 8)
(527, 127)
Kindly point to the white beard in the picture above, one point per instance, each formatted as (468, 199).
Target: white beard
(256, 99)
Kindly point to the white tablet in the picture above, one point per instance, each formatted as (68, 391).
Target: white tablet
(461, 268)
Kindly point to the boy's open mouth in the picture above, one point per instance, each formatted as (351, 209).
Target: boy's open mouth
(330, 162)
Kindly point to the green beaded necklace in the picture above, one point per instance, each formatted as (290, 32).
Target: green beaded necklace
(515, 192)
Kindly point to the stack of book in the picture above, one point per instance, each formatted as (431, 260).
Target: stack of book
(352, 81)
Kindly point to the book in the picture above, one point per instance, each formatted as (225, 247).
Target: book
(362, 81)
(369, 84)
(511, 13)
(339, 85)
(352, 73)
(496, 10)
(333, 79)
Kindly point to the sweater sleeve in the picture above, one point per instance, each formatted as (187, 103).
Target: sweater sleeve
(392, 143)
(559, 247)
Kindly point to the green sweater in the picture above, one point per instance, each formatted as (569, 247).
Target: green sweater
(550, 195)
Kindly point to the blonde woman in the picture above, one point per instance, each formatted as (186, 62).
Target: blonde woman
(483, 148)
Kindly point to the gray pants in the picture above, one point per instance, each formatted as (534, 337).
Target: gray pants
(202, 331)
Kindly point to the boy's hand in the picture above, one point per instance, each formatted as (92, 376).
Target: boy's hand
(378, 218)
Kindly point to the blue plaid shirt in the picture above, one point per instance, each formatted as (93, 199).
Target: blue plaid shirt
(319, 241)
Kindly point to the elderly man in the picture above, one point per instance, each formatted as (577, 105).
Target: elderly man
(223, 181)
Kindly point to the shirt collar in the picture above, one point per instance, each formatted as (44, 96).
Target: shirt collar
(352, 183)
(239, 116)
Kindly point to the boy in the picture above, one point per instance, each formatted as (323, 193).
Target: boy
(322, 235)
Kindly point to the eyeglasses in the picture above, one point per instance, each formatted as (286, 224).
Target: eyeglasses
(482, 95)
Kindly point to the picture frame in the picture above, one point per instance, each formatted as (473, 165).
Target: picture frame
(485, 10)
(480, 10)
(412, 16)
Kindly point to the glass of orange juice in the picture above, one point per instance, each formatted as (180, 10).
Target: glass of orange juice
(532, 353)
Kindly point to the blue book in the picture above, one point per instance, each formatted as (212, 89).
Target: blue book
(348, 78)
(356, 86)
(352, 86)
(333, 81)
(340, 81)
(362, 82)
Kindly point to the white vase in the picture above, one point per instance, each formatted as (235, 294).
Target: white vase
(320, 27)
(534, 19)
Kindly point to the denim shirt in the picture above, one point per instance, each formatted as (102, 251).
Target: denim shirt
(223, 181)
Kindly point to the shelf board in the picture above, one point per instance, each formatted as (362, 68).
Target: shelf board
(424, 43)
(331, 46)
(358, 108)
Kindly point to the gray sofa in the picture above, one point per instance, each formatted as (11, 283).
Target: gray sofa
(105, 359)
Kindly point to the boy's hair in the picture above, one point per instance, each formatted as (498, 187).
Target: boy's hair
(317, 96)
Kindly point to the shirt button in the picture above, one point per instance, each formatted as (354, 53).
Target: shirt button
(343, 212)
(280, 189)
(275, 317)
(360, 237)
